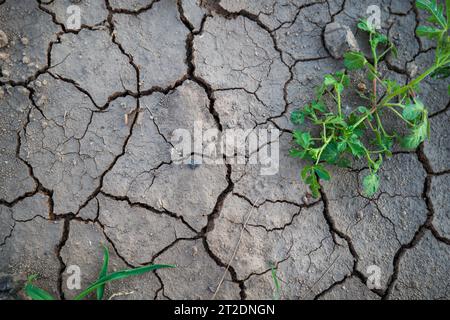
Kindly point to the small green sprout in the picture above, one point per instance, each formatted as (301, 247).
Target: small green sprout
(277, 291)
(36, 293)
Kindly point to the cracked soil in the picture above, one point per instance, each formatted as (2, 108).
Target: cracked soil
(86, 122)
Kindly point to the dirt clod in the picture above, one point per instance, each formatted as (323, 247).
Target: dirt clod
(3, 39)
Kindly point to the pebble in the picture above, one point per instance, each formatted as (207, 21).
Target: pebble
(359, 215)
(4, 56)
(3, 39)
(339, 39)
(2, 93)
(24, 41)
(412, 69)
(23, 91)
(42, 100)
(26, 60)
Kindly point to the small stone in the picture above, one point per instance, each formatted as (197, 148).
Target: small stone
(6, 73)
(3, 39)
(362, 87)
(2, 93)
(339, 39)
(42, 100)
(23, 91)
(26, 60)
(24, 41)
(412, 69)
(4, 56)
(359, 215)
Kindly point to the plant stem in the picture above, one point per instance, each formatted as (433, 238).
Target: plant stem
(327, 142)
(339, 102)
(399, 115)
(394, 105)
(371, 126)
(369, 159)
(409, 86)
(399, 92)
(380, 124)
(375, 67)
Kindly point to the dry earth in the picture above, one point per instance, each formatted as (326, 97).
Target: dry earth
(75, 172)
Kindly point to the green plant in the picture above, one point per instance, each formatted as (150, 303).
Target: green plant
(36, 293)
(341, 136)
(277, 291)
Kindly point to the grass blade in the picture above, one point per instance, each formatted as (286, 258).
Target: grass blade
(277, 293)
(120, 275)
(103, 273)
(36, 293)
(447, 6)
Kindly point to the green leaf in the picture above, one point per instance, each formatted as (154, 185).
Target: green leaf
(341, 146)
(297, 117)
(314, 185)
(120, 275)
(371, 183)
(354, 60)
(314, 153)
(302, 138)
(322, 173)
(380, 38)
(363, 110)
(436, 11)
(318, 105)
(428, 32)
(343, 78)
(331, 153)
(417, 136)
(411, 142)
(447, 5)
(413, 111)
(378, 164)
(36, 293)
(442, 72)
(339, 88)
(302, 154)
(391, 86)
(385, 142)
(356, 147)
(315, 189)
(308, 110)
(277, 292)
(377, 39)
(309, 177)
(103, 273)
(329, 80)
(365, 26)
(305, 172)
(336, 120)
